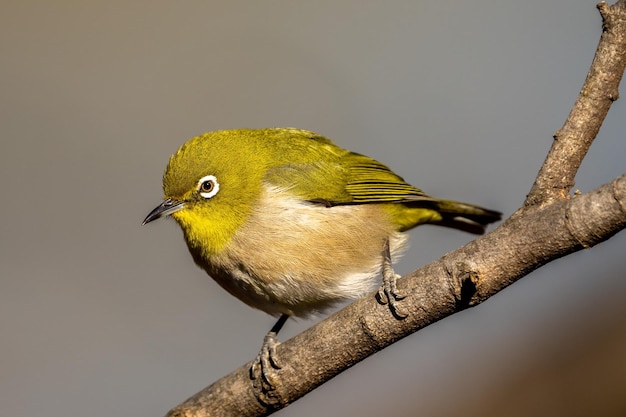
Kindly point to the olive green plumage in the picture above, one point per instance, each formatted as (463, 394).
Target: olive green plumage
(291, 223)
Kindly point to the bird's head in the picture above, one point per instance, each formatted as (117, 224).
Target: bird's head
(210, 186)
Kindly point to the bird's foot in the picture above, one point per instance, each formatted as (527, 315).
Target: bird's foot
(264, 369)
(266, 360)
(388, 292)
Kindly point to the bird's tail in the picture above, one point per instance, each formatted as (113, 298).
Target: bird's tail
(463, 216)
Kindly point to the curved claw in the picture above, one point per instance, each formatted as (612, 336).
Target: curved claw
(263, 371)
(388, 292)
(266, 362)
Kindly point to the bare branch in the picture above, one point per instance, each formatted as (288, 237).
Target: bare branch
(458, 280)
(550, 225)
(572, 141)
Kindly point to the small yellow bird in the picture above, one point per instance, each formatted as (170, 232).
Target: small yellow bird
(292, 224)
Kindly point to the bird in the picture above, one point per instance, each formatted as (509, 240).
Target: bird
(292, 224)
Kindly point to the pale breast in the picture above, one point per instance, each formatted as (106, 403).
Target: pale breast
(299, 258)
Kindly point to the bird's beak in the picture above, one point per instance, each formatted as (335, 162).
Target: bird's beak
(167, 207)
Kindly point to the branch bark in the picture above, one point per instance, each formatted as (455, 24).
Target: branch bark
(469, 275)
(572, 141)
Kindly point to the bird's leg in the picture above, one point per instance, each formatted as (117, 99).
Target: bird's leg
(264, 367)
(388, 293)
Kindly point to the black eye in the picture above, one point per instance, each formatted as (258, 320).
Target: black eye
(208, 186)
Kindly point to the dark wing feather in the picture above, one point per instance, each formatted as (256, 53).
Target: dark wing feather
(369, 181)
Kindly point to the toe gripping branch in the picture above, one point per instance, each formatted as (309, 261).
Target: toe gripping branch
(388, 292)
(263, 371)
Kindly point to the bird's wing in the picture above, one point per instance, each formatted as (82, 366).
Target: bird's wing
(347, 178)
(369, 181)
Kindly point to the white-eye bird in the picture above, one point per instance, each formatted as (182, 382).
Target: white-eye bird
(292, 224)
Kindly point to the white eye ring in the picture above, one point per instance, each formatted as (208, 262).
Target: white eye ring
(208, 186)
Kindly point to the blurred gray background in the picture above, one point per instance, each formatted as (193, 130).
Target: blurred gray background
(100, 316)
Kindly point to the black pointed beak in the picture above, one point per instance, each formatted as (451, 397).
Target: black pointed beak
(169, 206)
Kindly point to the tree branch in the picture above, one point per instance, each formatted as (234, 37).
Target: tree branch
(600, 90)
(551, 224)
